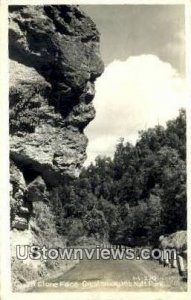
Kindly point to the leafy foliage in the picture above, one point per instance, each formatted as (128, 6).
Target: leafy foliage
(132, 198)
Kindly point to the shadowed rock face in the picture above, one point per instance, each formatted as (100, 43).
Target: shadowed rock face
(54, 61)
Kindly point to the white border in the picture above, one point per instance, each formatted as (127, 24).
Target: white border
(33, 2)
(4, 160)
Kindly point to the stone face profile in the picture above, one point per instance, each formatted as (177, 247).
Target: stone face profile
(54, 62)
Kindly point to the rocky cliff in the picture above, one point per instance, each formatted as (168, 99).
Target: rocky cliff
(54, 61)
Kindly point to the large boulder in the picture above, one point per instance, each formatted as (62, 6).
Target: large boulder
(54, 61)
(176, 240)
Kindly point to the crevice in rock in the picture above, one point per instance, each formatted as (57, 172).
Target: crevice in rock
(60, 27)
(29, 173)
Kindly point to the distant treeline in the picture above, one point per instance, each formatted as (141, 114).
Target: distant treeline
(133, 198)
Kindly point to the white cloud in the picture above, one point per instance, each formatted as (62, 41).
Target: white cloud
(130, 96)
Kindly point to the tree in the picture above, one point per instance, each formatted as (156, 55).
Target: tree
(96, 224)
(176, 134)
(154, 218)
(174, 190)
(134, 197)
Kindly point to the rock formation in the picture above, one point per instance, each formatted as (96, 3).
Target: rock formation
(54, 61)
(176, 240)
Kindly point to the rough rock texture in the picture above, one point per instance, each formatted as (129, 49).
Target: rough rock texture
(176, 240)
(54, 61)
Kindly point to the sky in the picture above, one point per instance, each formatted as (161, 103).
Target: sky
(143, 84)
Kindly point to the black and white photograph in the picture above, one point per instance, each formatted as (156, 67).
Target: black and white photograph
(98, 98)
